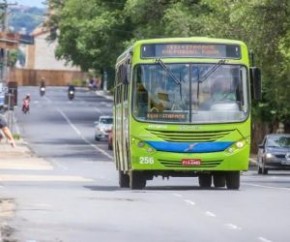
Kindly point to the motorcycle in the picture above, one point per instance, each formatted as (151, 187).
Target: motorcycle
(71, 94)
(42, 91)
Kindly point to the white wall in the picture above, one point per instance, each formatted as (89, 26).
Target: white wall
(45, 57)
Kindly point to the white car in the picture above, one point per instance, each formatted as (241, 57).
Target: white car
(103, 127)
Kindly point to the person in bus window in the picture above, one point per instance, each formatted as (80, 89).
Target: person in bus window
(222, 91)
(142, 100)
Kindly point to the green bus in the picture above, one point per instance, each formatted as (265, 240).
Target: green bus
(182, 108)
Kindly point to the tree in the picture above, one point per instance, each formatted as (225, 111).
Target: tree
(89, 31)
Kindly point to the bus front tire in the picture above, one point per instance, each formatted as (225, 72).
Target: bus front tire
(205, 180)
(219, 180)
(233, 180)
(137, 180)
(123, 180)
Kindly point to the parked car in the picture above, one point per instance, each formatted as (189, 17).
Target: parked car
(274, 153)
(103, 126)
(110, 140)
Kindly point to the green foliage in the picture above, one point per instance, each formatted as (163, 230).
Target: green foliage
(12, 58)
(16, 136)
(78, 83)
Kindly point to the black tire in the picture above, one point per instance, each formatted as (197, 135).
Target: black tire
(97, 138)
(219, 180)
(124, 180)
(233, 180)
(205, 180)
(137, 180)
(264, 169)
(259, 170)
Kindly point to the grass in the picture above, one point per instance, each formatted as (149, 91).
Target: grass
(16, 136)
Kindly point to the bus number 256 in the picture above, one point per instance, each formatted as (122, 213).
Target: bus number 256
(145, 160)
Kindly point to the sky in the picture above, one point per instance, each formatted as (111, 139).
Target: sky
(30, 3)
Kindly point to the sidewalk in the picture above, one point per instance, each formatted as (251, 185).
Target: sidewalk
(7, 151)
(20, 158)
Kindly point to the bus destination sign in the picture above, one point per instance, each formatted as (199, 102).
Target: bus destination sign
(197, 50)
(167, 116)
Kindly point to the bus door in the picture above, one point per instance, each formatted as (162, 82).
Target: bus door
(125, 128)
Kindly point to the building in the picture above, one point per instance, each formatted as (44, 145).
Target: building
(41, 55)
(40, 62)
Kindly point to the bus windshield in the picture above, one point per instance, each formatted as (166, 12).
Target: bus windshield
(190, 93)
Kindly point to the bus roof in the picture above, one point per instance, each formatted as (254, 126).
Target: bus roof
(179, 40)
(189, 39)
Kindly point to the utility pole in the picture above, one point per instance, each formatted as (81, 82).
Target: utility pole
(6, 41)
(4, 29)
(4, 52)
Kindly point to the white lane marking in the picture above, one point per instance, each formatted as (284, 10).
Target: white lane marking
(82, 137)
(233, 226)
(210, 214)
(43, 178)
(44, 205)
(177, 195)
(264, 239)
(267, 187)
(189, 202)
(57, 164)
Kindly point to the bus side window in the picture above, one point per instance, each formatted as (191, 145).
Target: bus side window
(142, 100)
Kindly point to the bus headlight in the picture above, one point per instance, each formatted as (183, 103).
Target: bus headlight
(240, 144)
(237, 146)
(231, 150)
(141, 144)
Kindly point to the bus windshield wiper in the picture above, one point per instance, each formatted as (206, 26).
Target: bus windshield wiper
(161, 63)
(206, 75)
(212, 70)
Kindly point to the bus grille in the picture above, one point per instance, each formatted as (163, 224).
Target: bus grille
(190, 136)
(177, 164)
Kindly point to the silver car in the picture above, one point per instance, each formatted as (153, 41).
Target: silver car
(103, 127)
(274, 153)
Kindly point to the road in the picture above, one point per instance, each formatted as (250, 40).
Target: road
(74, 196)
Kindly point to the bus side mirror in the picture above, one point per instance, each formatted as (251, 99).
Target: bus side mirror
(256, 83)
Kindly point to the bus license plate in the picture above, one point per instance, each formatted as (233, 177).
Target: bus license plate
(191, 162)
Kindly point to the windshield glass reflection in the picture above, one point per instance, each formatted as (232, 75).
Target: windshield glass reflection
(190, 93)
(279, 141)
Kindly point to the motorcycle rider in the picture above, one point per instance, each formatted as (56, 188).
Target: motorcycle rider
(42, 82)
(26, 103)
(71, 87)
(42, 86)
(71, 91)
